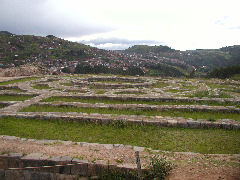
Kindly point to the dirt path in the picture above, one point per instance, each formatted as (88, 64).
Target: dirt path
(186, 165)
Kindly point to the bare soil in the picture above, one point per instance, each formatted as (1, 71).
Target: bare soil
(187, 166)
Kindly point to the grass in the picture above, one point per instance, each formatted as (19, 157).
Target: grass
(15, 97)
(41, 86)
(173, 113)
(130, 92)
(15, 89)
(201, 94)
(160, 85)
(218, 86)
(236, 77)
(19, 80)
(112, 82)
(66, 84)
(101, 92)
(169, 139)
(130, 101)
(76, 91)
(174, 90)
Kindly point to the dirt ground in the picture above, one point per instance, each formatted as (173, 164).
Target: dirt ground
(187, 166)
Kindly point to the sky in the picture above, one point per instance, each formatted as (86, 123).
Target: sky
(119, 24)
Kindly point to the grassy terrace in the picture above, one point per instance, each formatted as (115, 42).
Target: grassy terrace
(169, 139)
(173, 113)
(41, 86)
(202, 94)
(130, 92)
(19, 80)
(15, 97)
(116, 101)
(14, 89)
(114, 82)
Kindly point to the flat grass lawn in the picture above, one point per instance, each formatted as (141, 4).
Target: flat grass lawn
(168, 139)
(125, 101)
(15, 97)
(172, 113)
(19, 80)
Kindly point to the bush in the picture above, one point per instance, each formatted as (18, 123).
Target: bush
(159, 168)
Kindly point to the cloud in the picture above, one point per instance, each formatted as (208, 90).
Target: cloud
(118, 43)
(43, 17)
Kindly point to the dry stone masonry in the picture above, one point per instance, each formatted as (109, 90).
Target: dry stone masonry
(152, 89)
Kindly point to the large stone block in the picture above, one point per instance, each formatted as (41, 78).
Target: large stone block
(3, 162)
(2, 174)
(14, 162)
(14, 175)
(97, 169)
(79, 169)
(193, 124)
(182, 124)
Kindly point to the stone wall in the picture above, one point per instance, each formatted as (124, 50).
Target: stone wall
(33, 167)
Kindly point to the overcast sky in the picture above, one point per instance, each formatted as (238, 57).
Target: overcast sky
(118, 24)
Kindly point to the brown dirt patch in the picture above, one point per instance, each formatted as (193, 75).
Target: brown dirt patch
(188, 166)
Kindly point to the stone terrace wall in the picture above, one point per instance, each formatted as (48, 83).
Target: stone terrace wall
(79, 169)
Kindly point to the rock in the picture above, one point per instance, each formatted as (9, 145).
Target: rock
(108, 146)
(136, 148)
(10, 137)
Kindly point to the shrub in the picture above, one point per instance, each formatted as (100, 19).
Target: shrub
(159, 168)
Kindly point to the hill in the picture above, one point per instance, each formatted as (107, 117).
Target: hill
(24, 48)
(58, 55)
(203, 60)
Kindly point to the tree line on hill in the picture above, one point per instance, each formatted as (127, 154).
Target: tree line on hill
(223, 73)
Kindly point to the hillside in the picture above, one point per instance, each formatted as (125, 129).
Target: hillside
(203, 60)
(14, 48)
(57, 55)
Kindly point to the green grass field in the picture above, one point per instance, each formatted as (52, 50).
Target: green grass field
(41, 86)
(172, 113)
(15, 97)
(126, 101)
(168, 139)
(130, 92)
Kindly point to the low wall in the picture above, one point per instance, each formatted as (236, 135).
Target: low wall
(164, 99)
(197, 108)
(128, 119)
(54, 168)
